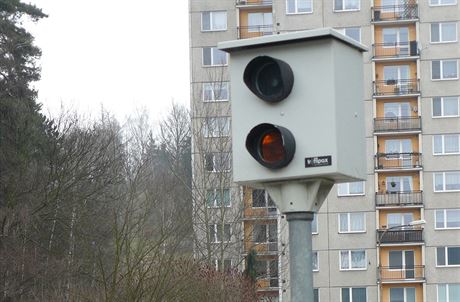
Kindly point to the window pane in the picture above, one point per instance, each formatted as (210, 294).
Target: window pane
(440, 219)
(338, 4)
(450, 106)
(207, 56)
(389, 36)
(315, 295)
(258, 198)
(442, 293)
(206, 20)
(453, 218)
(440, 256)
(210, 198)
(291, 6)
(345, 295)
(449, 32)
(272, 233)
(453, 255)
(359, 294)
(259, 233)
(437, 144)
(451, 143)
(397, 294)
(357, 222)
(314, 224)
(435, 32)
(219, 20)
(449, 69)
(357, 187)
(344, 260)
(435, 70)
(410, 294)
(304, 6)
(343, 222)
(437, 111)
(358, 259)
(342, 189)
(395, 259)
(315, 261)
(438, 182)
(209, 162)
(219, 57)
(452, 180)
(454, 292)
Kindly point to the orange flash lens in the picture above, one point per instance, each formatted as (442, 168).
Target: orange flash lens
(272, 149)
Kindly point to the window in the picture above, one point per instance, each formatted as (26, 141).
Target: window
(344, 5)
(443, 32)
(265, 233)
(217, 162)
(447, 181)
(216, 126)
(350, 188)
(351, 32)
(399, 219)
(353, 294)
(299, 6)
(443, 2)
(314, 224)
(353, 260)
(448, 292)
(216, 91)
(392, 6)
(213, 21)
(218, 197)
(401, 264)
(260, 23)
(444, 69)
(217, 234)
(446, 144)
(448, 256)
(267, 269)
(261, 199)
(397, 109)
(214, 57)
(315, 262)
(447, 219)
(316, 295)
(393, 74)
(352, 223)
(396, 36)
(227, 264)
(446, 106)
(399, 183)
(402, 294)
(398, 146)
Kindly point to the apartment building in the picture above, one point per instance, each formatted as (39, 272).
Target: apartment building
(392, 238)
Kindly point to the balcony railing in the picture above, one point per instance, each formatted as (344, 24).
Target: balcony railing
(398, 124)
(245, 32)
(411, 160)
(400, 236)
(400, 12)
(254, 2)
(404, 273)
(262, 248)
(395, 87)
(395, 50)
(392, 199)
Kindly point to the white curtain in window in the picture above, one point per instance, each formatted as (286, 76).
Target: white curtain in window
(452, 180)
(344, 260)
(358, 259)
(343, 222)
(357, 221)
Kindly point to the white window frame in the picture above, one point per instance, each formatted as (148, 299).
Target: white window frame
(443, 181)
(343, 30)
(404, 292)
(446, 256)
(351, 268)
(440, 31)
(443, 145)
(442, 107)
(213, 64)
(349, 215)
(296, 11)
(213, 87)
(345, 9)
(216, 126)
(211, 18)
(216, 233)
(215, 202)
(447, 285)
(441, 76)
(430, 2)
(346, 185)
(444, 222)
(350, 289)
(313, 262)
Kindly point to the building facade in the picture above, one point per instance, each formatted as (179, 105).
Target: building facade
(392, 238)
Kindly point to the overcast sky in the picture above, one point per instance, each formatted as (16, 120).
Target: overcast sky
(122, 54)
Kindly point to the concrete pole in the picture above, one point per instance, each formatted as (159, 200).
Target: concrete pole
(300, 256)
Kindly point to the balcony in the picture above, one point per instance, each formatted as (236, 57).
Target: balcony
(396, 88)
(399, 236)
(262, 248)
(253, 31)
(395, 13)
(251, 3)
(398, 199)
(398, 161)
(398, 50)
(251, 213)
(397, 124)
(413, 273)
